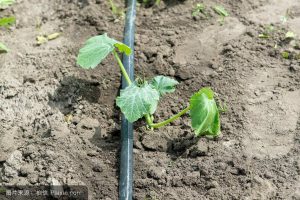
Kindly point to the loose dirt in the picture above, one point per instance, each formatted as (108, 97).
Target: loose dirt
(59, 123)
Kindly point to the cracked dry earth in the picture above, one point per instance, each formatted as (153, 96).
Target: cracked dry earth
(59, 123)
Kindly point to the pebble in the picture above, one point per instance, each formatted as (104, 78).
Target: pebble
(156, 172)
(27, 169)
(200, 149)
(92, 153)
(98, 167)
(155, 142)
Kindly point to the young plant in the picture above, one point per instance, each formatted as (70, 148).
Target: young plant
(116, 11)
(220, 10)
(140, 98)
(290, 35)
(199, 8)
(267, 33)
(7, 21)
(5, 3)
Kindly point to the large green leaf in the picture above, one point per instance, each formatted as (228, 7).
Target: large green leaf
(204, 113)
(136, 101)
(3, 48)
(7, 21)
(5, 3)
(97, 48)
(164, 84)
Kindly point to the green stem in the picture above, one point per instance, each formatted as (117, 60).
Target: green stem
(148, 119)
(123, 70)
(158, 125)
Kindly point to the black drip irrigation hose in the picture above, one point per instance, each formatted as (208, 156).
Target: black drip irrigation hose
(126, 162)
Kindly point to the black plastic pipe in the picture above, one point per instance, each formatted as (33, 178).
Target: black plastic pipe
(126, 161)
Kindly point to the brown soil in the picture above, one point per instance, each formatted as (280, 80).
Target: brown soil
(257, 155)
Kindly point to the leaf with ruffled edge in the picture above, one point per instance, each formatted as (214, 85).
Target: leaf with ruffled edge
(204, 113)
(136, 101)
(97, 48)
(164, 84)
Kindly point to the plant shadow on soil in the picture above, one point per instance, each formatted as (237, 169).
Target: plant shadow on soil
(168, 3)
(182, 146)
(72, 90)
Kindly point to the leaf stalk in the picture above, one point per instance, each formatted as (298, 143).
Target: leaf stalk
(163, 123)
(123, 70)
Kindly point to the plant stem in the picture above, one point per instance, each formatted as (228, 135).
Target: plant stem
(148, 119)
(123, 70)
(125, 74)
(158, 125)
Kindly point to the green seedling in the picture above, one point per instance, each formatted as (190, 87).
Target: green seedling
(290, 35)
(41, 39)
(7, 21)
(284, 18)
(220, 10)
(267, 32)
(200, 8)
(140, 99)
(5, 3)
(285, 55)
(3, 48)
(116, 11)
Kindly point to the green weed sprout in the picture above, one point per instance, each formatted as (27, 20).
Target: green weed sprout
(116, 11)
(199, 8)
(140, 99)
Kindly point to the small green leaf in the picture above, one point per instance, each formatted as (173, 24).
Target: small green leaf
(198, 9)
(97, 48)
(3, 48)
(6, 3)
(123, 48)
(283, 19)
(220, 10)
(285, 54)
(53, 36)
(7, 21)
(204, 113)
(41, 39)
(136, 101)
(263, 35)
(164, 84)
(290, 35)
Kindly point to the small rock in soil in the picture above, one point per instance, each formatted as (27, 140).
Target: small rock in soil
(212, 184)
(27, 169)
(184, 73)
(191, 178)
(177, 181)
(30, 149)
(7, 145)
(156, 172)
(15, 160)
(33, 178)
(92, 153)
(88, 123)
(155, 141)
(98, 166)
(200, 149)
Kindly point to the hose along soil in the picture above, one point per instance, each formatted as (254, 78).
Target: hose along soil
(125, 184)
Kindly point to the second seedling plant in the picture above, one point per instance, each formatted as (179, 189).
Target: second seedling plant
(140, 99)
